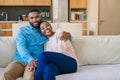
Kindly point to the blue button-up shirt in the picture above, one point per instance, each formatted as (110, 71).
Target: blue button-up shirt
(30, 43)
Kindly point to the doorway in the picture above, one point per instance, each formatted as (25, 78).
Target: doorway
(109, 17)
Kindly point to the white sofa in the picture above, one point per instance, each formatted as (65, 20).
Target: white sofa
(99, 57)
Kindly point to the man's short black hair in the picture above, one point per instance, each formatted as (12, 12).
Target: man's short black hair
(34, 10)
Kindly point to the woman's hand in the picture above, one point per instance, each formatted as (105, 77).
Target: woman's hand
(32, 65)
(65, 36)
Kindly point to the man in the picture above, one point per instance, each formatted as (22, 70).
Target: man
(30, 43)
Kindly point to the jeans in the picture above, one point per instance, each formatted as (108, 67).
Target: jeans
(51, 64)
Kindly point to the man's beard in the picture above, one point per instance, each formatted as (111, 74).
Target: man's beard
(36, 27)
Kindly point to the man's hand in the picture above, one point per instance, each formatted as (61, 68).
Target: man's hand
(65, 36)
(32, 65)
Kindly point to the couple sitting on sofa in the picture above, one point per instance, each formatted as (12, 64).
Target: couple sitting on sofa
(46, 65)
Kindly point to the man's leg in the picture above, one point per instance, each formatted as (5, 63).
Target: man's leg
(14, 70)
(28, 75)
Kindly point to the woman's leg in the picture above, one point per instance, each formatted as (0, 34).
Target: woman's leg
(50, 72)
(63, 63)
(45, 70)
(42, 62)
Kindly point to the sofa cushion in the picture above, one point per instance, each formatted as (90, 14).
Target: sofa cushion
(7, 50)
(97, 49)
(94, 72)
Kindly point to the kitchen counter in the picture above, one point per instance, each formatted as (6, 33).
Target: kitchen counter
(6, 27)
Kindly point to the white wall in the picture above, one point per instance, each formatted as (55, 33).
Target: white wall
(60, 10)
(93, 16)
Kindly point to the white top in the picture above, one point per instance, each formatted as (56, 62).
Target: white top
(56, 45)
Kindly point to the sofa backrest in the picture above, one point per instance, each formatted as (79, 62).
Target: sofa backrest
(89, 49)
(16, 26)
(7, 50)
(97, 49)
(74, 29)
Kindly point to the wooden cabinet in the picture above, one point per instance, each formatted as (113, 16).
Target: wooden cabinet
(85, 28)
(83, 4)
(28, 2)
(18, 2)
(1, 2)
(77, 10)
(74, 3)
(9, 2)
(5, 28)
(78, 14)
(78, 3)
(25, 2)
(6, 2)
(43, 2)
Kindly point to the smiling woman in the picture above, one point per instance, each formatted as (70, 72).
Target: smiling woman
(57, 53)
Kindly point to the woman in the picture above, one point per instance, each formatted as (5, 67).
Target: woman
(58, 58)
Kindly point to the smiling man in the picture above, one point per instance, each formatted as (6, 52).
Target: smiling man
(30, 43)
